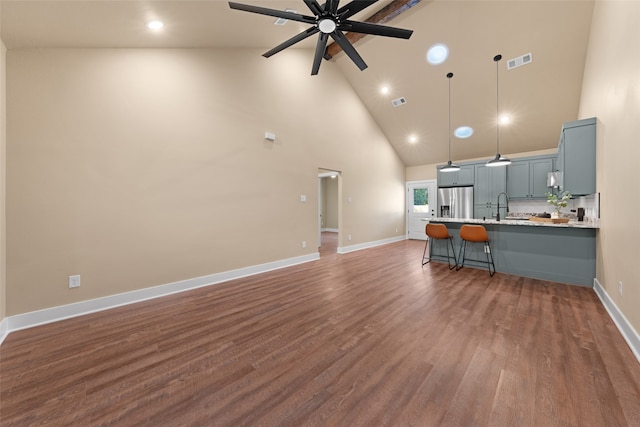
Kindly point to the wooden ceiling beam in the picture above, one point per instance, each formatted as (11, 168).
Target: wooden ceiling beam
(384, 15)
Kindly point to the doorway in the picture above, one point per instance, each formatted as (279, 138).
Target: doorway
(329, 182)
(421, 205)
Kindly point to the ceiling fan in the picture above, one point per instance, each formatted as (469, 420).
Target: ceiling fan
(330, 21)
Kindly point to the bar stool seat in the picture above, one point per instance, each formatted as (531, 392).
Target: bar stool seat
(476, 234)
(438, 232)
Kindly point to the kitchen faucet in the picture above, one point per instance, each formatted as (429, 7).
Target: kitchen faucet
(506, 196)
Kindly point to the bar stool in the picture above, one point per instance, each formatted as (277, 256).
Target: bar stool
(438, 232)
(476, 234)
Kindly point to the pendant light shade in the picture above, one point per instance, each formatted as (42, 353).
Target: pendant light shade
(451, 167)
(499, 160)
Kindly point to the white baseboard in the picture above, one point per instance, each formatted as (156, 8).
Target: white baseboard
(54, 314)
(331, 230)
(629, 334)
(358, 247)
(4, 329)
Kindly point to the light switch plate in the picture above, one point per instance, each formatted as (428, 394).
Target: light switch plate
(74, 281)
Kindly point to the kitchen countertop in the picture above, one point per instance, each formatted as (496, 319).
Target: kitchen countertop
(570, 224)
(563, 253)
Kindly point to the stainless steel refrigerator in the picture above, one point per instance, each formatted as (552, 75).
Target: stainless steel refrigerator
(455, 202)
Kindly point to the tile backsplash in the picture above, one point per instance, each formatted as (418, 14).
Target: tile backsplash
(590, 203)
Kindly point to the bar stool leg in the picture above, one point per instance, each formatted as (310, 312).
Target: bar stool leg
(461, 255)
(490, 263)
(453, 251)
(424, 253)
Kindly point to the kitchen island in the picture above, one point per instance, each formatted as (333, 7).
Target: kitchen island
(558, 252)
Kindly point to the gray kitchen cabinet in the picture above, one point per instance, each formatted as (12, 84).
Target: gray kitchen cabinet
(577, 157)
(455, 179)
(518, 179)
(484, 212)
(489, 182)
(527, 179)
(539, 169)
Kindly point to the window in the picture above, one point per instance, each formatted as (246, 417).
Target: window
(420, 200)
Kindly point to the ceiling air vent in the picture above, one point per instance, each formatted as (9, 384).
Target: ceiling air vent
(398, 101)
(519, 61)
(282, 21)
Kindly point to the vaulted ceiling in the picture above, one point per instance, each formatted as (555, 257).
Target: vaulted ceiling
(538, 97)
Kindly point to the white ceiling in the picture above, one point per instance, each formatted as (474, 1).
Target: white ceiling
(539, 97)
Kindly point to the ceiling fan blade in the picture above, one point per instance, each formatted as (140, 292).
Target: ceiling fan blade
(293, 40)
(314, 7)
(320, 48)
(375, 29)
(348, 48)
(331, 6)
(273, 12)
(350, 9)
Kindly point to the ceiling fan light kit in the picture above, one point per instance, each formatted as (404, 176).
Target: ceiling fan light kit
(329, 20)
(499, 160)
(451, 167)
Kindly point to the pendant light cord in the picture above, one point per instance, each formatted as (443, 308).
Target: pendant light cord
(497, 58)
(449, 75)
(498, 160)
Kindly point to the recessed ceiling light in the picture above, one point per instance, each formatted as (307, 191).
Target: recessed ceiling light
(413, 139)
(437, 54)
(463, 132)
(384, 90)
(505, 119)
(155, 25)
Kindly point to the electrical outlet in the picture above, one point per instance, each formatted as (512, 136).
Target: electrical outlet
(620, 287)
(396, 229)
(304, 244)
(349, 237)
(487, 250)
(74, 281)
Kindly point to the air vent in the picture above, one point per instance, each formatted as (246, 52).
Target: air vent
(282, 21)
(398, 101)
(519, 61)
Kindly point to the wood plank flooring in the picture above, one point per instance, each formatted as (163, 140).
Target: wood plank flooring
(369, 338)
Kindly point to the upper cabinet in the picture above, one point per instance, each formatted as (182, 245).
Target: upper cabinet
(456, 179)
(577, 157)
(527, 178)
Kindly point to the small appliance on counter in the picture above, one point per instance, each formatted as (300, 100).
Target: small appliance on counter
(580, 214)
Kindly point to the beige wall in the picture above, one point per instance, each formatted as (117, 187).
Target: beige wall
(425, 172)
(3, 151)
(137, 168)
(611, 92)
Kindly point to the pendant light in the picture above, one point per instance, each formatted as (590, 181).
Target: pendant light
(451, 167)
(498, 160)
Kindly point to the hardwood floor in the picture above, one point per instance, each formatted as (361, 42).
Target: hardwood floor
(368, 338)
(329, 244)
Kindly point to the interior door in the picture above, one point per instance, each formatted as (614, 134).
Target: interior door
(421, 205)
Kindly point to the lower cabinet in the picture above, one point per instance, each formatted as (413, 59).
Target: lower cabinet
(485, 211)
